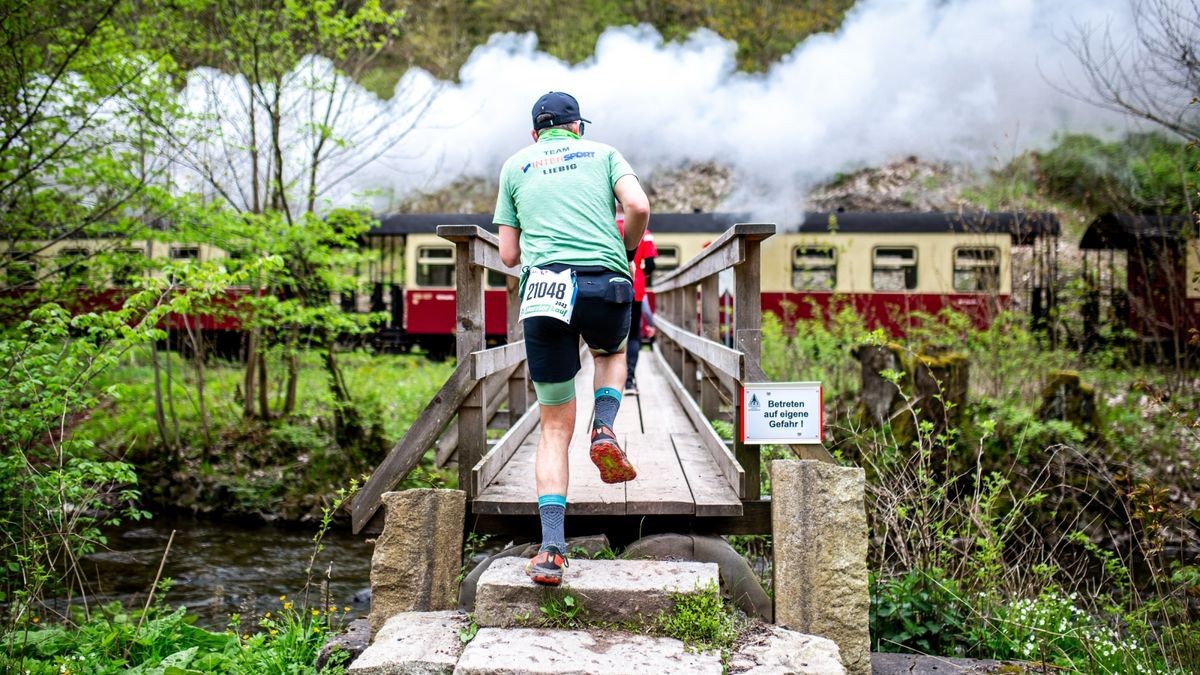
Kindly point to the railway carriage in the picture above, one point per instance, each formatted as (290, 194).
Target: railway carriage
(884, 265)
(1159, 297)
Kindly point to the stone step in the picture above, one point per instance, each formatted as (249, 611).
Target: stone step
(430, 643)
(608, 590)
(413, 642)
(537, 651)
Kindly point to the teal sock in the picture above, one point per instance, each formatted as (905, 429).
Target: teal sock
(608, 402)
(553, 511)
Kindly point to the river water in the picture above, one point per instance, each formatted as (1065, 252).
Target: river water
(219, 568)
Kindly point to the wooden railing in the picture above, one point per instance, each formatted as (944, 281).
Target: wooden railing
(481, 373)
(707, 373)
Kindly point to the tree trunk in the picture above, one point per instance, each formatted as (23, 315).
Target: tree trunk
(264, 394)
(160, 419)
(293, 375)
(248, 380)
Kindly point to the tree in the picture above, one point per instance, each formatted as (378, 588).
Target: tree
(280, 125)
(1156, 75)
(80, 98)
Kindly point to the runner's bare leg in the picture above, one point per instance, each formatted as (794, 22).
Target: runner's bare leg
(550, 464)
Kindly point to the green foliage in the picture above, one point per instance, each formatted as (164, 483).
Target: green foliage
(441, 34)
(1142, 173)
(701, 620)
(921, 610)
(561, 609)
(291, 466)
(165, 642)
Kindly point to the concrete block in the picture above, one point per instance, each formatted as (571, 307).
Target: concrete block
(510, 651)
(609, 590)
(819, 523)
(414, 643)
(417, 557)
(772, 650)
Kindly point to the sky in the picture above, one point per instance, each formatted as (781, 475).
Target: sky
(966, 81)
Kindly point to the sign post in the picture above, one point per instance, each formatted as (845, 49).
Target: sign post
(782, 412)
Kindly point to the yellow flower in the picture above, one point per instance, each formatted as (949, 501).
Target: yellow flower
(36, 620)
(316, 612)
(345, 609)
(282, 598)
(274, 632)
(267, 615)
(332, 609)
(287, 605)
(245, 636)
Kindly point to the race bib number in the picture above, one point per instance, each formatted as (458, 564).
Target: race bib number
(549, 294)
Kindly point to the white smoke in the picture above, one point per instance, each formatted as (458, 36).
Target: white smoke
(971, 81)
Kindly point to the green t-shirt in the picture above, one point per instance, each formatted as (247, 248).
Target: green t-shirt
(559, 193)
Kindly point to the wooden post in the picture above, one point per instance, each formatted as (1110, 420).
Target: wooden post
(747, 338)
(710, 328)
(688, 364)
(472, 418)
(518, 388)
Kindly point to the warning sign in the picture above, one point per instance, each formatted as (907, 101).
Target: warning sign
(782, 412)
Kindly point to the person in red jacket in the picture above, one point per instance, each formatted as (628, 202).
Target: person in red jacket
(643, 267)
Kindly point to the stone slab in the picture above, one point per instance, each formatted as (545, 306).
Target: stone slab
(410, 568)
(537, 651)
(608, 590)
(352, 642)
(819, 522)
(912, 664)
(414, 643)
(772, 650)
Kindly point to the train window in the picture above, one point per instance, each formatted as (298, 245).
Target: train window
(435, 266)
(667, 260)
(894, 268)
(495, 279)
(976, 269)
(814, 269)
(185, 253)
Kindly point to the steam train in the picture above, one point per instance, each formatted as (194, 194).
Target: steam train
(883, 265)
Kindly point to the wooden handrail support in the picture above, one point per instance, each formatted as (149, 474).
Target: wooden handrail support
(463, 394)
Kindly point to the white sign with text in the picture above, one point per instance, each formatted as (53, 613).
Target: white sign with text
(782, 412)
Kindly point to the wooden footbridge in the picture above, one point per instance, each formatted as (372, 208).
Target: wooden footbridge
(689, 479)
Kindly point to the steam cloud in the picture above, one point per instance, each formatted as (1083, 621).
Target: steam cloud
(947, 80)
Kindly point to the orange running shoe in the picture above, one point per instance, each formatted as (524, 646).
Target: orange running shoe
(546, 568)
(609, 457)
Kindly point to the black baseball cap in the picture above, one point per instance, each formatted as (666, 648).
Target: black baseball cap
(561, 105)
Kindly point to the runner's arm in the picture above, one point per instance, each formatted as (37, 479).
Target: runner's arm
(637, 208)
(510, 245)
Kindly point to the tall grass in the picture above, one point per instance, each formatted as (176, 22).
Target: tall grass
(1014, 536)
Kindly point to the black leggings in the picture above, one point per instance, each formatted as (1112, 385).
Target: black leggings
(634, 345)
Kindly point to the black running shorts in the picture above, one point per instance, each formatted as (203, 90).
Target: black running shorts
(601, 318)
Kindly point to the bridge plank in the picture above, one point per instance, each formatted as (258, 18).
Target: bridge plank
(660, 487)
(733, 472)
(710, 491)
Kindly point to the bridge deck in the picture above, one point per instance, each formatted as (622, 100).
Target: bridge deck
(676, 474)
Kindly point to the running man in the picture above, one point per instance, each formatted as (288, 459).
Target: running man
(555, 214)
